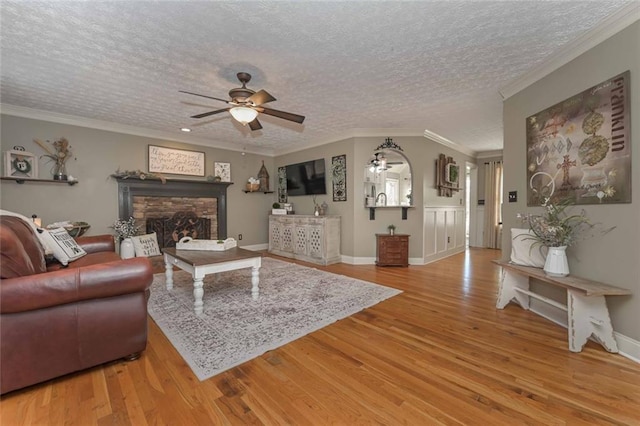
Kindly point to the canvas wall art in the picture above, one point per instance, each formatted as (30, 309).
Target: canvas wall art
(581, 148)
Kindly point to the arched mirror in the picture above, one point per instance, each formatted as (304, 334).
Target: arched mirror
(387, 179)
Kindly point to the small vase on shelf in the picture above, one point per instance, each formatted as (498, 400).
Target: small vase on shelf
(60, 171)
(127, 250)
(556, 264)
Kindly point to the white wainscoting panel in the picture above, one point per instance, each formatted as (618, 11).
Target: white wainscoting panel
(479, 231)
(443, 232)
(430, 220)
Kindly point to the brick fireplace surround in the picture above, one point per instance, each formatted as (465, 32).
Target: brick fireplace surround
(151, 198)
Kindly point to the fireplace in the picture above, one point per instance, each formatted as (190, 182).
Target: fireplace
(151, 199)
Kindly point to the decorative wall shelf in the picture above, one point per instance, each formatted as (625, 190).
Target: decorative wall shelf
(261, 192)
(372, 211)
(446, 183)
(23, 180)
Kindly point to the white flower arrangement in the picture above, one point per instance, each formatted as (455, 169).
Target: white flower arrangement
(125, 228)
(557, 228)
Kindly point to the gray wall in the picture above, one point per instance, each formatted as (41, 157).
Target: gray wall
(358, 232)
(98, 154)
(613, 258)
(303, 204)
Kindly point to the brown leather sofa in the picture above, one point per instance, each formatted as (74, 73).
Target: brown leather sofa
(55, 320)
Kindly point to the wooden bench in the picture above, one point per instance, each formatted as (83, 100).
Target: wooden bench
(586, 305)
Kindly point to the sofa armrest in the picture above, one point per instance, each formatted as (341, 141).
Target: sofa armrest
(97, 243)
(74, 285)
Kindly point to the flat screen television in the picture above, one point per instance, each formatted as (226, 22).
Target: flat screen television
(306, 178)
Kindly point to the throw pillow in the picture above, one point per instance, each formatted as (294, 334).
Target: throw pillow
(146, 245)
(524, 250)
(65, 248)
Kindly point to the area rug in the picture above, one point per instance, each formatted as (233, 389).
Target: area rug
(294, 301)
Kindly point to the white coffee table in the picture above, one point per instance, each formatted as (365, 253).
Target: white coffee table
(200, 263)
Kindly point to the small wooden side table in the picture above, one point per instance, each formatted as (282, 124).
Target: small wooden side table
(392, 250)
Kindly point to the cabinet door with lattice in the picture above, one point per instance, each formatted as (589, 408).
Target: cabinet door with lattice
(315, 241)
(275, 235)
(300, 240)
(286, 243)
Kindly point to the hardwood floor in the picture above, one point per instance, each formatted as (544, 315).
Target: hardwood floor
(439, 353)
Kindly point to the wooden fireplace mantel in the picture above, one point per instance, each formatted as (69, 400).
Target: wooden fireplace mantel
(131, 186)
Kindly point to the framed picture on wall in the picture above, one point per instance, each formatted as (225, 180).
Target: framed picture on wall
(223, 170)
(452, 173)
(20, 164)
(176, 161)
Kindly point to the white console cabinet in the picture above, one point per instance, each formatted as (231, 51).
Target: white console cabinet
(310, 238)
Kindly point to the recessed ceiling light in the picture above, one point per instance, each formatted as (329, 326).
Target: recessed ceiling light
(185, 129)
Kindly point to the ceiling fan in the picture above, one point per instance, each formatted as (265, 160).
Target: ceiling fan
(246, 104)
(380, 163)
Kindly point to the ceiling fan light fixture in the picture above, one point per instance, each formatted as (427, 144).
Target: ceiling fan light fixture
(378, 164)
(243, 114)
(383, 162)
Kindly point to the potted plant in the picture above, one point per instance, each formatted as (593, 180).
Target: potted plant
(557, 229)
(123, 231)
(392, 229)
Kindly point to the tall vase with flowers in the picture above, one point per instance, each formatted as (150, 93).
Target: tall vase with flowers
(123, 230)
(557, 229)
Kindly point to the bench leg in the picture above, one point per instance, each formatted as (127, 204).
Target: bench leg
(588, 315)
(507, 291)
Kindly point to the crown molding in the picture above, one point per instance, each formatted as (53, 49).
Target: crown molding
(604, 30)
(386, 132)
(91, 123)
(490, 154)
(353, 133)
(446, 142)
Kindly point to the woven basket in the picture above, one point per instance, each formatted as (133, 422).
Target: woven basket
(253, 187)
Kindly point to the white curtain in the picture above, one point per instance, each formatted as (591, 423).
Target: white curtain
(493, 204)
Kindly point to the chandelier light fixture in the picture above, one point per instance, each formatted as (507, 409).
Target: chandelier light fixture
(243, 114)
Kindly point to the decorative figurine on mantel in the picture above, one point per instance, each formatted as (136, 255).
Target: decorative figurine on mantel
(263, 176)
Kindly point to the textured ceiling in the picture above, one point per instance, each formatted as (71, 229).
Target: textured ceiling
(433, 66)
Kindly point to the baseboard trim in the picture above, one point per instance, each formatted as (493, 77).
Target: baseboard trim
(372, 260)
(256, 247)
(351, 260)
(627, 347)
(441, 255)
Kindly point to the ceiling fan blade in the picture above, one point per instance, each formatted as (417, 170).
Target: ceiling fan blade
(206, 114)
(255, 125)
(226, 101)
(261, 97)
(281, 114)
(196, 104)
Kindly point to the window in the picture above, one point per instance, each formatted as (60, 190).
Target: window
(392, 189)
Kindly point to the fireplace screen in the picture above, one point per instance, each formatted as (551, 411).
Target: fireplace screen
(180, 225)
